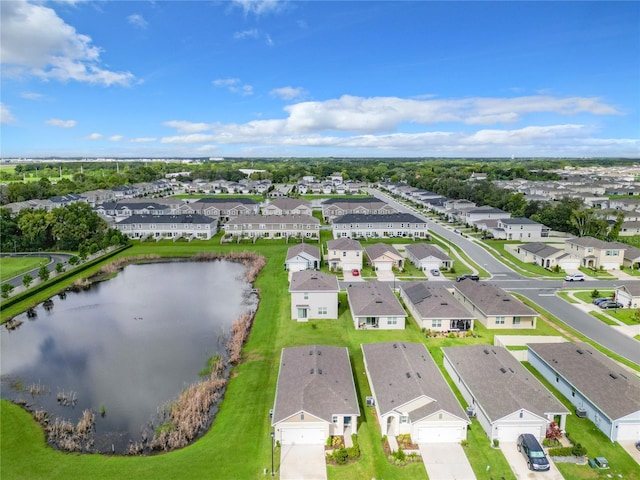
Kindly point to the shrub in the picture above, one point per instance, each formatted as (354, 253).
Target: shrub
(561, 452)
(496, 442)
(578, 450)
(595, 293)
(464, 443)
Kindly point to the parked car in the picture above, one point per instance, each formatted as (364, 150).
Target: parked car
(575, 277)
(470, 276)
(599, 300)
(533, 453)
(610, 304)
(355, 272)
(435, 272)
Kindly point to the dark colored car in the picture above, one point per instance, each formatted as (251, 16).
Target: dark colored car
(609, 304)
(598, 301)
(470, 276)
(533, 453)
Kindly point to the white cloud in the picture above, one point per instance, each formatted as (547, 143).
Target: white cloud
(137, 20)
(5, 115)
(93, 136)
(116, 138)
(143, 139)
(234, 85)
(56, 122)
(253, 33)
(34, 41)
(187, 127)
(288, 93)
(260, 7)
(32, 95)
(269, 40)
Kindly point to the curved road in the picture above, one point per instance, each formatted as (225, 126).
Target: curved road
(541, 292)
(54, 258)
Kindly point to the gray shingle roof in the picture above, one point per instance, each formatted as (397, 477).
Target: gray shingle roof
(590, 373)
(344, 244)
(424, 250)
(594, 242)
(316, 379)
(541, 249)
(499, 383)
(518, 221)
(434, 301)
(373, 299)
(492, 300)
(274, 220)
(401, 372)
(378, 218)
(378, 249)
(193, 218)
(312, 281)
(311, 250)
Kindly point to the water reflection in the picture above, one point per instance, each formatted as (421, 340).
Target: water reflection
(130, 344)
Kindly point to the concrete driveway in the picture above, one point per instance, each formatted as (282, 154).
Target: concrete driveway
(302, 462)
(630, 447)
(385, 275)
(518, 464)
(446, 461)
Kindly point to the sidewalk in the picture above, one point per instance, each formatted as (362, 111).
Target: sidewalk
(628, 330)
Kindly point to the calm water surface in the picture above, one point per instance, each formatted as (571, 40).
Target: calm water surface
(131, 343)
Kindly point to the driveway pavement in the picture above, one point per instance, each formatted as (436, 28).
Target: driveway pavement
(632, 450)
(302, 462)
(385, 275)
(446, 461)
(518, 464)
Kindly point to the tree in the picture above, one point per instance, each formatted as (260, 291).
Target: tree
(7, 288)
(35, 226)
(75, 224)
(614, 231)
(587, 222)
(27, 280)
(43, 273)
(59, 267)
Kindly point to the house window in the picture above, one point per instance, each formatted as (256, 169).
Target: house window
(302, 313)
(436, 323)
(302, 416)
(499, 320)
(404, 419)
(322, 310)
(557, 379)
(344, 254)
(334, 419)
(306, 295)
(516, 320)
(392, 321)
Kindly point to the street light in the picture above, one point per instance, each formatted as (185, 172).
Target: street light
(272, 442)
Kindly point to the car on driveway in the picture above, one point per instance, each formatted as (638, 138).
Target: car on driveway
(435, 272)
(610, 304)
(598, 301)
(470, 276)
(355, 272)
(575, 277)
(533, 453)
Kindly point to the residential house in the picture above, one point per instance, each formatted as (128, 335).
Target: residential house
(629, 229)
(287, 206)
(68, 199)
(486, 212)
(124, 209)
(628, 295)
(384, 257)
(374, 305)
(273, 226)
(315, 396)
(597, 386)
(314, 295)
(355, 225)
(224, 208)
(411, 395)
(595, 253)
(303, 257)
(337, 207)
(632, 257)
(168, 226)
(434, 308)
(506, 398)
(344, 254)
(494, 307)
(427, 257)
(521, 229)
(544, 255)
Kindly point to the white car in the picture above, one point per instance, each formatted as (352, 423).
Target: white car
(575, 277)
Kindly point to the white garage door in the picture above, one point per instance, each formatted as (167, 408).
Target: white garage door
(302, 436)
(509, 433)
(384, 266)
(628, 431)
(439, 434)
(350, 266)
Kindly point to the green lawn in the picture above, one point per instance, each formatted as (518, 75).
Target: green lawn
(603, 318)
(497, 248)
(238, 446)
(12, 266)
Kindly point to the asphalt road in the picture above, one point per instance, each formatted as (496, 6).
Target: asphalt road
(54, 258)
(541, 292)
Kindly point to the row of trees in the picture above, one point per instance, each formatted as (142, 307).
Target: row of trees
(75, 227)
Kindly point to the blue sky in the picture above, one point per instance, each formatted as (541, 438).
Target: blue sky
(353, 79)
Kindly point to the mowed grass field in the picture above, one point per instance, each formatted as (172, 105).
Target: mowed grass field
(12, 266)
(238, 446)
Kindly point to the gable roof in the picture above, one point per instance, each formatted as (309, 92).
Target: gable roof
(632, 289)
(226, 203)
(377, 250)
(401, 372)
(499, 382)
(351, 203)
(492, 300)
(540, 249)
(310, 250)
(631, 253)
(374, 299)
(610, 387)
(425, 250)
(595, 243)
(378, 218)
(190, 218)
(434, 301)
(316, 379)
(289, 203)
(518, 221)
(344, 244)
(274, 219)
(312, 281)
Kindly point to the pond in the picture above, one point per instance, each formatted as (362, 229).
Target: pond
(125, 347)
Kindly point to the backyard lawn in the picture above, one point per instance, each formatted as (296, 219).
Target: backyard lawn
(238, 446)
(12, 266)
